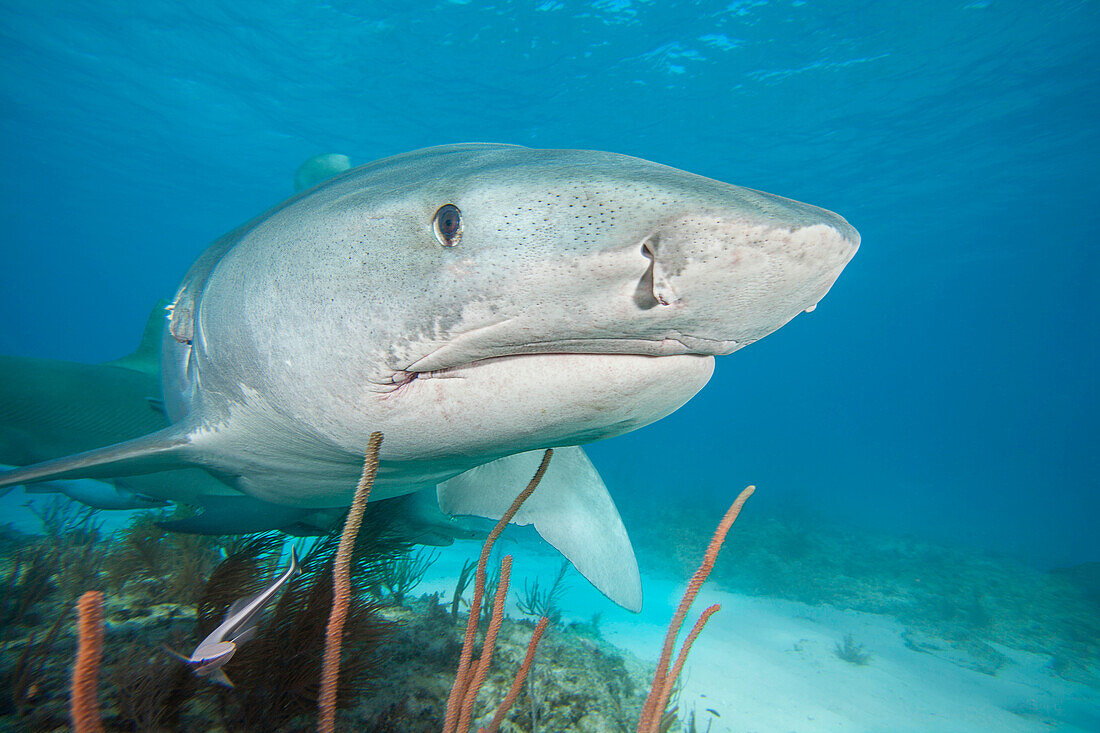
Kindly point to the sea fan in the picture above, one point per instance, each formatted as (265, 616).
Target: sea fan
(277, 674)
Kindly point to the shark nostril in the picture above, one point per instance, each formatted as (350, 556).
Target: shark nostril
(643, 294)
(644, 297)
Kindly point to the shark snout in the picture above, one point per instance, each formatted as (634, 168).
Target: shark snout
(721, 278)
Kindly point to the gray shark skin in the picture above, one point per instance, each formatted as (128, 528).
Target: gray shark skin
(585, 294)
(51, 408)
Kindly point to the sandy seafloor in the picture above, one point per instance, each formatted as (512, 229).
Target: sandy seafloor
(769, 666)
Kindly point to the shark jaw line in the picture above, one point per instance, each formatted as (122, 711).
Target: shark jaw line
(673, 344)
(678, 345)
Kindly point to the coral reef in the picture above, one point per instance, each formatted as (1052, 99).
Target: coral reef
(84, 698)
(546, 602)
(664, 679)
(342, 592)
(26, 581)
(277, 674)
(471, 675)
(73, 543)
(464, 577)
(143, 688)
(576, 684)
(403, 573)
(527, 678)
(150, 562)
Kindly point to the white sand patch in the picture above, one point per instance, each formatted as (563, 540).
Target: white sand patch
(767, 665)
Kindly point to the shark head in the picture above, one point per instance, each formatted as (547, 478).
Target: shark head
(481, 300)
(565, 251)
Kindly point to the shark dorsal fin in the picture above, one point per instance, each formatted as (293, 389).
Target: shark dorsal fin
(146, 358)
(320, 168)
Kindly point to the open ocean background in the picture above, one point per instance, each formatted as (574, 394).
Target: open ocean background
(947, 387)
(944, 393)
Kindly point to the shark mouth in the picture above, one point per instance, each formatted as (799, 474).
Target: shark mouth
(451, 356)
(437, 366)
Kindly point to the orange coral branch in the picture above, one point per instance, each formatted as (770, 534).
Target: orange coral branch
(341, 593)
(521, 677)
(670, 681)
(482, 667)
(651, 713)
(464, 674)
(84, 701)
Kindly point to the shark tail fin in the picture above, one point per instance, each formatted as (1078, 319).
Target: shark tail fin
(159, 451)
(147, 356)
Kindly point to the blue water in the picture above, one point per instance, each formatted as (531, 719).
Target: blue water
(947, 385)
(946, 388)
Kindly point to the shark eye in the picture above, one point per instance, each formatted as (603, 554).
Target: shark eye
(448, 225)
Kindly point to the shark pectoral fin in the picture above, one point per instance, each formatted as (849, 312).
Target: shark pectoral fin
(420, 520)
(571, 509)
(159, 451)
(236, 515)
(96, 494)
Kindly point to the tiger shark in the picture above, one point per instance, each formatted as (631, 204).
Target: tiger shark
(476, 303)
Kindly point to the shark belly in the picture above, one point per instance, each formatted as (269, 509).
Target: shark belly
(431, 435)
